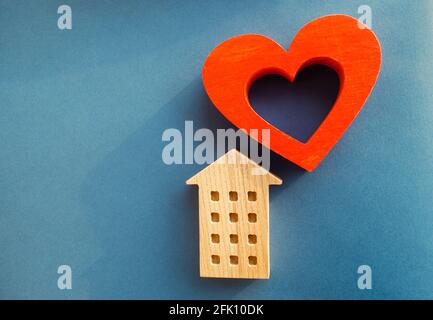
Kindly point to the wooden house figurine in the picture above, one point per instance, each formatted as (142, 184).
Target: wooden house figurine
(234, 217)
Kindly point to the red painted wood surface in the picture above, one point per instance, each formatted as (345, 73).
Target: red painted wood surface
(335, 41)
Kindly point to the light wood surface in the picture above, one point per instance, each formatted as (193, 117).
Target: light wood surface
(234, 217)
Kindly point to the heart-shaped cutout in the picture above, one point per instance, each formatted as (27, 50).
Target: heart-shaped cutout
(296, 108)
(337, 41)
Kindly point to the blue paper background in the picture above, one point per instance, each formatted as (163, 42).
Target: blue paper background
(81, 177)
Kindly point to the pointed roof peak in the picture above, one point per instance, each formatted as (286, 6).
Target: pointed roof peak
(236, 158)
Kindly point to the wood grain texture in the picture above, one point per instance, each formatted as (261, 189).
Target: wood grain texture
(234, 217)
(336, 41)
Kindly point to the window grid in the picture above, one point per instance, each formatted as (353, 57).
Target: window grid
(215, 239)
(233, 217)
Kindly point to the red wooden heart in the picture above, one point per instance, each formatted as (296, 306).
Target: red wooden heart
(336, 41)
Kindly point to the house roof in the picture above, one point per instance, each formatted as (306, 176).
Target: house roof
(234, 160)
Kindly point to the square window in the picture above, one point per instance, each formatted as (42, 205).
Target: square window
(233, 195)
(234, 238)
(252, 196)
(233, 217)
(234, 260)
(215, 238)
(252, 217)
(215, 217)
(252, 239)
(252, 260)
(215, 259)
(214, 195)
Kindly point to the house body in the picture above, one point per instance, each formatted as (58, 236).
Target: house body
(234, 217)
